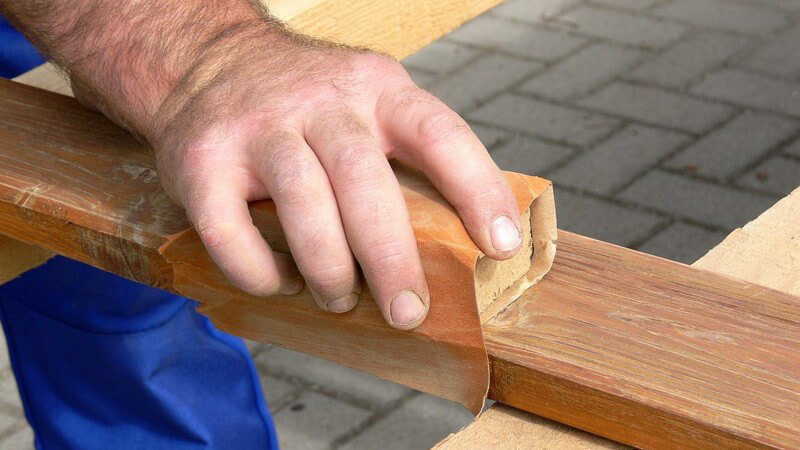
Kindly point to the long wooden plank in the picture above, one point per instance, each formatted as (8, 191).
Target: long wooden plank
(622, 344)
(650, 352)
(504, 427)
(765, 251)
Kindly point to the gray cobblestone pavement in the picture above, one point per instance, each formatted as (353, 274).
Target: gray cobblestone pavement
(663, 123)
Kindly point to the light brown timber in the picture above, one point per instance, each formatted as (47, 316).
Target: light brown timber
(765, 251)
(396, 28)
(629, 346)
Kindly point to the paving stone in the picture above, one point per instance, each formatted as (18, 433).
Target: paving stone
(331, 377)
(619, 160)
(480, 79)
(723, 14)
(689, 59)
(529, 155)
(516, 38)
(658, 106)
(793, 149)
(704, 202)
(11, 418)
(489, 136)
(420, 423)
(19, 440)
(751, 89)
(777, 56)
(603, 220)
(777, 175)
(788, 5)
(276, 391)
(633, 5)
(532, 11)
(544, 119)
(734, 145)
(585, 70)
(441, 57)
(314, 421)
(682, 242)
(622, 27)
(5, 362)
(9, 394)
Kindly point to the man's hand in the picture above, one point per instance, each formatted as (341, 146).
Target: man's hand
(245, 110)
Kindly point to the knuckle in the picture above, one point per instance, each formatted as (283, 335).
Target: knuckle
(392, 257)
(216, 234)
(438, 130)
(357, 163)
(335, 280)
(298, 185)
(484, 196)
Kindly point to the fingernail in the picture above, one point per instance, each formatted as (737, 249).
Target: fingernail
(505, 235)
(406, 308)
(344, 304)
(293, 287)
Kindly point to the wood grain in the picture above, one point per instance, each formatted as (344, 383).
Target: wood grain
(765, 251)
(650, 352)
(396, 28)
(504, 427)
(74, 183)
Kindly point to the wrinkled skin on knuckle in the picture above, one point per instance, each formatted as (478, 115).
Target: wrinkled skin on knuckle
(216, 234)
(332, 280)
(296, 180)
(392, 260)
(436, 131)
(361, 169)
(483, 196)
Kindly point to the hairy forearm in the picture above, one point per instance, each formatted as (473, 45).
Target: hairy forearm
(131, 55)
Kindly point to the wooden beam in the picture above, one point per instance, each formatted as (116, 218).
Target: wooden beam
(650, 352)
(764, 252)
(502, 426)
(396, 28)
(622, 344)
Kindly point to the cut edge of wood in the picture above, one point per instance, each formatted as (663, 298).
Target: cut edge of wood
(544, 236)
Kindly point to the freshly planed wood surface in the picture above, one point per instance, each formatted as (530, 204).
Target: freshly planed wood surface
(650, 352)
(502, 427)
(765, 251)
(397, 28)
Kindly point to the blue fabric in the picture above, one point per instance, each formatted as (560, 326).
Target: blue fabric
(17, 55)
(102, 362)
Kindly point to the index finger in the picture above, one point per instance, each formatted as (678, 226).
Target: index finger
(437, 141)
